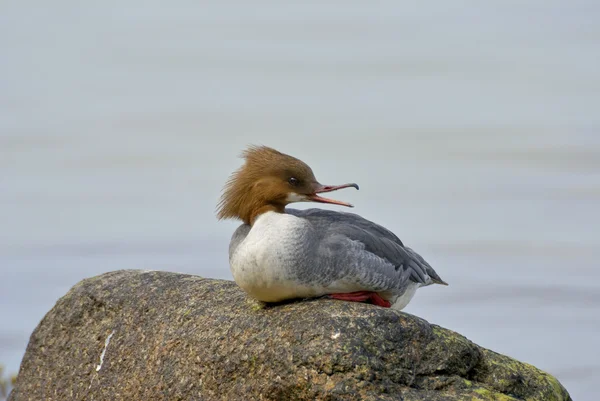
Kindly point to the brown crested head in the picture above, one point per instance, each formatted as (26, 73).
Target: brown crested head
(268, 181)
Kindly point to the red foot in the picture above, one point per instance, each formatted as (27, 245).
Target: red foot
(362, 296)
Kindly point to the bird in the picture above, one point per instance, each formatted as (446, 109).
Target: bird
(280, 254)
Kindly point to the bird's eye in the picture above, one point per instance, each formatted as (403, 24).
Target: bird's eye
(293, 181)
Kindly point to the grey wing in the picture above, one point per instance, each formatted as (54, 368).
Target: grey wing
(435, 278)
(407, 264)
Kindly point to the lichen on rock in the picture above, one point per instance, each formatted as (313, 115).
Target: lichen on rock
(181, 337)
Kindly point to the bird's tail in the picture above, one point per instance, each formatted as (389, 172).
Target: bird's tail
(435, 278)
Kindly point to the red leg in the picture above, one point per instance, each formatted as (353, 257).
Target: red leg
(377, 300)
(358, 296)
(362, 296)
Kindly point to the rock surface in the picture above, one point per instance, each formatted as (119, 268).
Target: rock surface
(133, 335)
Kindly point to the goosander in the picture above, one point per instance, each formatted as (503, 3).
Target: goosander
(279, 254)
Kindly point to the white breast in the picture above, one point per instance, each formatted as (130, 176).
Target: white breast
(265, 262)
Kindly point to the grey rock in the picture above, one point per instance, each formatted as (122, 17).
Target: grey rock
(134, 335)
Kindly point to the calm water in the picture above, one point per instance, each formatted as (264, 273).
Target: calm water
(473, 130)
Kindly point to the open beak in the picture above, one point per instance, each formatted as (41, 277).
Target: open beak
(329, 188)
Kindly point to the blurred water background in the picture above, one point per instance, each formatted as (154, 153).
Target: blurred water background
(472, 128)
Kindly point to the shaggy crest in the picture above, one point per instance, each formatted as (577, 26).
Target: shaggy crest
(250, 190)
